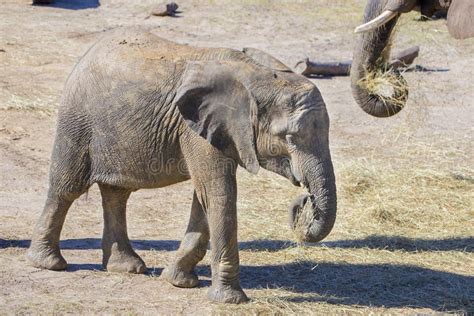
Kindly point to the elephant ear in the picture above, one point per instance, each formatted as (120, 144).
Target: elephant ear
(265, 59)
(461, 19)
(220, 109)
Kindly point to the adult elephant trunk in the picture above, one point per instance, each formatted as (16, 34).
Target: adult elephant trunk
(377, 88)
(316, 224)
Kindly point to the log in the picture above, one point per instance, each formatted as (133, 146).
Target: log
(405, 57)
(343, 68)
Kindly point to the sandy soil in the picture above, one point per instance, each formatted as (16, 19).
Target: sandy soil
(405, 252)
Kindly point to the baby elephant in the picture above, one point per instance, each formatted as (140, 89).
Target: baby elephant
(139, 111)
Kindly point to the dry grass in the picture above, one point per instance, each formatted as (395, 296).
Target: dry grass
(403, 239)
(303, 219)
(409, 199)
(387, 85)
(40, 105)
(402, 242)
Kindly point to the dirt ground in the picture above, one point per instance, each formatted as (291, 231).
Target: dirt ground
(403, 241)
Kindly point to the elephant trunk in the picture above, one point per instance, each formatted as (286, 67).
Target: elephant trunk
(319, 179)
(377, 88)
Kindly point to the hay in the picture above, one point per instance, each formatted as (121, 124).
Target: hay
(404, 225)
(405, 199)
(43, 105)
(303, 219)
(387, 85)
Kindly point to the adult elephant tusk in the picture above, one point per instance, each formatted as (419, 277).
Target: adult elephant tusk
(377, 22)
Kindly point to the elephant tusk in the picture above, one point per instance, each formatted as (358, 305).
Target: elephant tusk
(377, 22)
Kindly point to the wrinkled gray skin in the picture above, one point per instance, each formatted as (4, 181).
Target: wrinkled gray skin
(137, 109)
(372, 48)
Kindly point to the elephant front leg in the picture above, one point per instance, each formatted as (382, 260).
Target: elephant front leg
(192, 249)
(118, 254)
(218, 195)
(222, 217)
(213, 176)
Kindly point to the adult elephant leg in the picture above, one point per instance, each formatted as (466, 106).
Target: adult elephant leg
(118, 254)
(44, 249)
(192, 249)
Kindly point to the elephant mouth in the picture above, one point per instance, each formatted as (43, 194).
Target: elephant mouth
(290, 175)
(294, 180)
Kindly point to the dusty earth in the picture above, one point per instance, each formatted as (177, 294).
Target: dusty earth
(403, 242)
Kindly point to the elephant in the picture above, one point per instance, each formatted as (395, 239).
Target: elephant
(372, 48)
(139, 111)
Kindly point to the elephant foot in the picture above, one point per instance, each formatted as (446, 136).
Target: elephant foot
(179, 278)
(227, 294)
(45, 257)
(125, 263)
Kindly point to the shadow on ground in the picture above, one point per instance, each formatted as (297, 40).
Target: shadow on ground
(95, 243)
(380, 285)
(73, 267)
(74, 4)
(391, 243)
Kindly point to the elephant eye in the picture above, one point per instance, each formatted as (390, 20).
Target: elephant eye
(291, 142)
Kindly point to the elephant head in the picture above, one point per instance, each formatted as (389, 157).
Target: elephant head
(273, 119)
(372, 49)
(293, 140)
(294, 143)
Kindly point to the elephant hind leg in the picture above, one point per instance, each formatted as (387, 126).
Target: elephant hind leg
(44, 250)
(192, 249)
(69, 179)
(118, 254)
